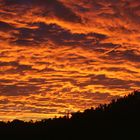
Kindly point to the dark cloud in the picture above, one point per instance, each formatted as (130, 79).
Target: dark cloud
(110, 82)
(4, 101)
(23, 68)
(40, 80)
(17, 90)
(40, 110)
(96, 96)
(11, 63)
(48, 8)
(80, 8)
(5, 27)
(17, 67)
(114, 69)
(103, 80)
(56, 34)
(128, 55)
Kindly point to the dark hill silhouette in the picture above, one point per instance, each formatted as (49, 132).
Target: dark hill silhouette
(117, 120)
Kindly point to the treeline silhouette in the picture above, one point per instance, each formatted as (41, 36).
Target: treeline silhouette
(119, 119)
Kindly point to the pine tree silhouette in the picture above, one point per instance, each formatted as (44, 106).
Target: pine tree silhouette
(118, 119)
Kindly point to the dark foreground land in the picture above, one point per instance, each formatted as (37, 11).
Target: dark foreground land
(118, 120)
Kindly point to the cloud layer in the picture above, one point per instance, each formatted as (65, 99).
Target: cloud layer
(58, 55)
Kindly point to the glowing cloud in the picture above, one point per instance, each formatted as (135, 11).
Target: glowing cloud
(58, 55)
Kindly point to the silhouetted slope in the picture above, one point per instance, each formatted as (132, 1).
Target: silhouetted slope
(119, 119)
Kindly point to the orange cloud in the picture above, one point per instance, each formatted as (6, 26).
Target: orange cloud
(58, 56)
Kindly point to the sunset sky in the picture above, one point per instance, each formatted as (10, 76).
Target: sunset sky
(66, 55)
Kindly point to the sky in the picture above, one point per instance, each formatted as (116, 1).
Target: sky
(59, 56)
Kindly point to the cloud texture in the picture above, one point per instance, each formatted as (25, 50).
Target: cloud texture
(58, 55)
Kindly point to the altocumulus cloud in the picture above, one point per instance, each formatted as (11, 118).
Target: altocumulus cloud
(58, 55)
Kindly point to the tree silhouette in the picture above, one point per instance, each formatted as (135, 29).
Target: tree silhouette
(118, 119)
